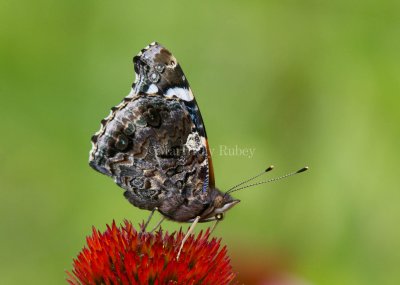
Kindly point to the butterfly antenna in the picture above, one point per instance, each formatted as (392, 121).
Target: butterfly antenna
(250, 179)
(270, 180)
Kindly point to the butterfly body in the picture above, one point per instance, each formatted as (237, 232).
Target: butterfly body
(154, 144)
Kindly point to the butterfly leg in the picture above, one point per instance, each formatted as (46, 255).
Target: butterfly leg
(187, 235)
(148, 219)
(158, 224)
(214, 226)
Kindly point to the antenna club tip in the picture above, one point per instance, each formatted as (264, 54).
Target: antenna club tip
(305, 168)
(269, 168)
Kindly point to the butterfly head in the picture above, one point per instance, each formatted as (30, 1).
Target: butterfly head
(157, 70)
(218, 205)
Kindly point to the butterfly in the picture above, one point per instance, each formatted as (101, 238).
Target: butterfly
(154, 145)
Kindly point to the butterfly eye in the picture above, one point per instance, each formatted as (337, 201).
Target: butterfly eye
(219, 217)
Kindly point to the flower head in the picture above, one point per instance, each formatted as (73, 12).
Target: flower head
(122, 255)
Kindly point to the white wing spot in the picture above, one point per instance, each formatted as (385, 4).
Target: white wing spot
(152, 89)
(193, 142)
(181, 93)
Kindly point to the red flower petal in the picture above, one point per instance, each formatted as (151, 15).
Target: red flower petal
(121, 255)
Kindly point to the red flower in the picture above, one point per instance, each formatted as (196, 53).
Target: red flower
(121, 255)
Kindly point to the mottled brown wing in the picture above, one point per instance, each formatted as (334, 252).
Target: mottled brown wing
(147, 146)
(158, 71)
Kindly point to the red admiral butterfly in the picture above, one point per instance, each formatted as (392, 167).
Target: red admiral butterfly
(154, 145)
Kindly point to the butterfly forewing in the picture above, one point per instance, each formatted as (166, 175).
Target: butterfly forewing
(154, 143)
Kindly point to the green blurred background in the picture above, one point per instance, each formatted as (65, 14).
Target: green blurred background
(303, 82)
